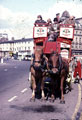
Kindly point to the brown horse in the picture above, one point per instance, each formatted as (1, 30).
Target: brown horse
(37, 72)
(59, 69)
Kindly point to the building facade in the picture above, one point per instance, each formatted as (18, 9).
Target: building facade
(3, 37)
(77, 42)
(15, 47)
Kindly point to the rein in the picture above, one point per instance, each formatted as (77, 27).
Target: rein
(54, 67)
(37, 61)
(60, 66)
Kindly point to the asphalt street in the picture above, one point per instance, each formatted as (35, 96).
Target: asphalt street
(15, 94)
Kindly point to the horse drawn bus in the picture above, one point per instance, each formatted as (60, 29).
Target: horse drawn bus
(50, 62)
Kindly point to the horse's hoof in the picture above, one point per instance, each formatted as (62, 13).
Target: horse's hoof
(32, 99)
(70, 89)
(78, 82)
(46, 98)
(62, 102)
(51, 100)
(43, 99)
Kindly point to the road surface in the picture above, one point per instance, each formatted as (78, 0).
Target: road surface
(15, 94)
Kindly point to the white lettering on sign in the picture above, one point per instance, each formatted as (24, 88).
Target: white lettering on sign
(64, 45)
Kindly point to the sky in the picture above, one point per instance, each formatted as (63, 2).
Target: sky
(17, 16)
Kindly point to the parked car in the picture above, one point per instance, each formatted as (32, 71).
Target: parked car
(27, 57)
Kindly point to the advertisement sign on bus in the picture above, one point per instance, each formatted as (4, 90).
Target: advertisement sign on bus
(66, 32)
(40, 32)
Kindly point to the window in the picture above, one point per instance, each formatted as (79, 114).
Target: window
(79, 46)
(79, 43)
(20, 48)
(79, 40)
(76, 43)
(76, 39)
(76, 47)
(28, 48)
(80, 32)
(76, 32)
(72, 43)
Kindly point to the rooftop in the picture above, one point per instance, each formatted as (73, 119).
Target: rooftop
(19, 40)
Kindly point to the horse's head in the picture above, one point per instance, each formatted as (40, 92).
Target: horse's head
(38, 55)
(38, 52)
(54, 60)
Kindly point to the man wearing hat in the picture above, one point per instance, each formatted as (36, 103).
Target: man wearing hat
(57, 18)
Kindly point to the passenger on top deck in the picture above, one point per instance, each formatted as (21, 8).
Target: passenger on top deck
(39, 21)
(50, 30)
(70, 21)
(67, 19)
(56, 25)
(57, 18)
(54, 28)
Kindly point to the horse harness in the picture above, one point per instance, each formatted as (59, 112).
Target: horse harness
(40, 67)
(60, 66)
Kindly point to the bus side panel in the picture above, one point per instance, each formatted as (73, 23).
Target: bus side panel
(51, 46)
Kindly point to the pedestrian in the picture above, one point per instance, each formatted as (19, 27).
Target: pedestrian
(77, 69)
(72, 65)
